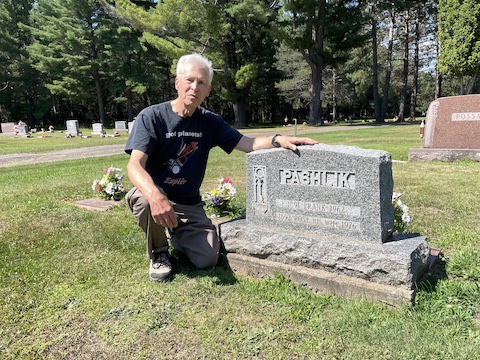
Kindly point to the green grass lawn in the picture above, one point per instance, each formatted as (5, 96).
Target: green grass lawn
(74, 283)
(41, 142)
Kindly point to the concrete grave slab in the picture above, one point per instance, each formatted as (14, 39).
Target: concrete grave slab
(97, 204)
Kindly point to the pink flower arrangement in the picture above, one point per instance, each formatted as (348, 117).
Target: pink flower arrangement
(220, 202)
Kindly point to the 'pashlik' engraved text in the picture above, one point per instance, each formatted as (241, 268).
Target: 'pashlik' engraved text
(337, 179)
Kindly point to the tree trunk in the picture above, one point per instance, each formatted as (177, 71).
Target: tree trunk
(438, 76)
(403, 93)
(376, 97)
(334, 97)
(129, 105)
(316, 111)
(316, 61)
(388, 72)
(240, 110)
(416, 66)
(98, 87)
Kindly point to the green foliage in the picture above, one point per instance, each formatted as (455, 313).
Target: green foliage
(245, 75)
(236, 36)
(323, 32)
(20, 85)
(459, 35)
(294, 87)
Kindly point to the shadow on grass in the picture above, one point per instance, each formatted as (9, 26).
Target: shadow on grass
(222, 271)
(436, 272)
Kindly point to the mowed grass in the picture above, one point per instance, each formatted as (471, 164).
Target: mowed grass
(41, 142)
(74, 282)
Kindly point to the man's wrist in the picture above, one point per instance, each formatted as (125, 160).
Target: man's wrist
(274, 141)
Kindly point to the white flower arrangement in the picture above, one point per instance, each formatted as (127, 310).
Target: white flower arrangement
(220, 202)
(401, 217)
(110, 186)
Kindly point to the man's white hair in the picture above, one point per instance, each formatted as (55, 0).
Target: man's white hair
(197, 59)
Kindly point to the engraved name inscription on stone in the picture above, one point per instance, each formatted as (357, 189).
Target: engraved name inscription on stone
(318, 221)
(338, 179)
(316, 207)
(469, 116)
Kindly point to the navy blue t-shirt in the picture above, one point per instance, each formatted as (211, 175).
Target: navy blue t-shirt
(178, 147)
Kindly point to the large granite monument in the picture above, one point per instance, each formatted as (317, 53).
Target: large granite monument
(452, 130)
(324, 217)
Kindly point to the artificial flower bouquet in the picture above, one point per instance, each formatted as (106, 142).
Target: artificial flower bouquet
(110, 186)
(401, 217)
(221, 201)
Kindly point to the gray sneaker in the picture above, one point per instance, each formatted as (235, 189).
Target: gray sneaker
(160, 267)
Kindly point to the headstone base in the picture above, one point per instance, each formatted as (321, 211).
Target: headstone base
(399, 263)
(321, 281)
(446, 155)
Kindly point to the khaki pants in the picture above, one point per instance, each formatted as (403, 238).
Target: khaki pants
(195, 234)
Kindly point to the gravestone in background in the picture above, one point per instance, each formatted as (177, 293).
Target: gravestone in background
(130, 125)
(120, 125)
(24, 130)
(452, 130)
(97, 129)
(8, 127)
(326, 213)
(72, 127)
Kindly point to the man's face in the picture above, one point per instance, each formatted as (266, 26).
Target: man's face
(192, 85)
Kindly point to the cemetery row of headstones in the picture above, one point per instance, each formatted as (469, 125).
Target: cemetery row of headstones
(98, 129)
(73, 130)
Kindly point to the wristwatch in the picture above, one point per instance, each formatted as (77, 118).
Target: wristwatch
(274, 141)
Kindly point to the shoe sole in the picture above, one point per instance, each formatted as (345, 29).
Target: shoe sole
(162, 278)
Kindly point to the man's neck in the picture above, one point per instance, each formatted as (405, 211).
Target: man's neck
(181, 110)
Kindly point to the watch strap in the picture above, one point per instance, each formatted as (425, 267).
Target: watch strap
(274, 141)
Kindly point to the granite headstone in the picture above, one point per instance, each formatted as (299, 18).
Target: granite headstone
(452, 130)
(72, 127)
(330, 208)
(8, 127)
(120, 125)
(24, 130)
(130, 125)
(97, 128)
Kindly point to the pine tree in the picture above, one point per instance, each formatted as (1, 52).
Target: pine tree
(69, 48)
(19, 88)
(459, 36)
(323, 31)
(238, 36)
